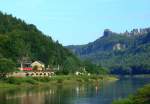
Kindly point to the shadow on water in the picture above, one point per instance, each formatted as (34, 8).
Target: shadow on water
(103, 93)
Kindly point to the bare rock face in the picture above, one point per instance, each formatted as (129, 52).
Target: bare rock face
(144, 31)
(118, 46)
(136, 32)
(126, 33)
(119, 52)
(107, 32)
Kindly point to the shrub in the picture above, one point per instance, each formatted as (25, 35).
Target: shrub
(13, 80)
(94, 77)
(123, 101)
(6, 65)
(31, 81)
(79, 80)
(42, 79)
(141, 97)
(60, 80)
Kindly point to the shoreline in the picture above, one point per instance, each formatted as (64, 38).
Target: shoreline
(13, 82)
(139, 97)
(134, 76)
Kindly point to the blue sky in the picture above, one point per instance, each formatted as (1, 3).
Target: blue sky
(80, 21)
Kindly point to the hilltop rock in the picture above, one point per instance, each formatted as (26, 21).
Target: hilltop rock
(137, 32)
(119, 46)
(107, 32)
(122, 53)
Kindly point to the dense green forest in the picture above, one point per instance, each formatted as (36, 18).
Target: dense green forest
(21, 41)
(121, 53)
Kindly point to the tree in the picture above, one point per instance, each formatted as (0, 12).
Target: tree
(142, 96)
(6, 65)
(19, 40)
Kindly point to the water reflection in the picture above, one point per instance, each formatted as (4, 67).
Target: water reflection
(30, 97)
(102, 93)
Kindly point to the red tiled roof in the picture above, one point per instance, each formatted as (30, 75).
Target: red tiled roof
(27, 69)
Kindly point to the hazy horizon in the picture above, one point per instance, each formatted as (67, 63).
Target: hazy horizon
(80, 22)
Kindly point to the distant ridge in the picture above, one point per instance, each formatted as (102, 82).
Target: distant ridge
(122, 53)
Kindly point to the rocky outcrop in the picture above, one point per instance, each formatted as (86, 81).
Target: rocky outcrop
(136, 32)
(119, 52)
(107, 32)
(119, 46)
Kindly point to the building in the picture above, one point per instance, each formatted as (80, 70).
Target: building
(38, 66)
(26, 66)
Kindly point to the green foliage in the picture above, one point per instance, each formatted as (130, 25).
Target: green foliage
(60, 80)
(30, 81)
(18, 81)
(6, 65)
(13, 80)
(42, 79)
(123, 101)
(141, 97)
(131, 58)
(94, 69)
(79, 80)
(19, 40)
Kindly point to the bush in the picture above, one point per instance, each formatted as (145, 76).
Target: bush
(141, 97)
(79, 80)
(31, 81)
(60, 80)
(62, 72)
(86, 78)
(123, 101)
(42, 79)
(6, 65)
(13, 80)
(94, 77)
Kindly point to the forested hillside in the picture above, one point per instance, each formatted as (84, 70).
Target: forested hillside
(121, 53)
(19, 40)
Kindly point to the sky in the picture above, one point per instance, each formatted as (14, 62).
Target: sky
(76, 22)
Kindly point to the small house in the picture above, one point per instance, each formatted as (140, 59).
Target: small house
(38, 66)
(25, 64)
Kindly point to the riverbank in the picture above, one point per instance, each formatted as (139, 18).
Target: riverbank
(142, 96)
(13, 82)
(135, 76)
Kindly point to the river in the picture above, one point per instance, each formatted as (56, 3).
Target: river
(104, 93)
